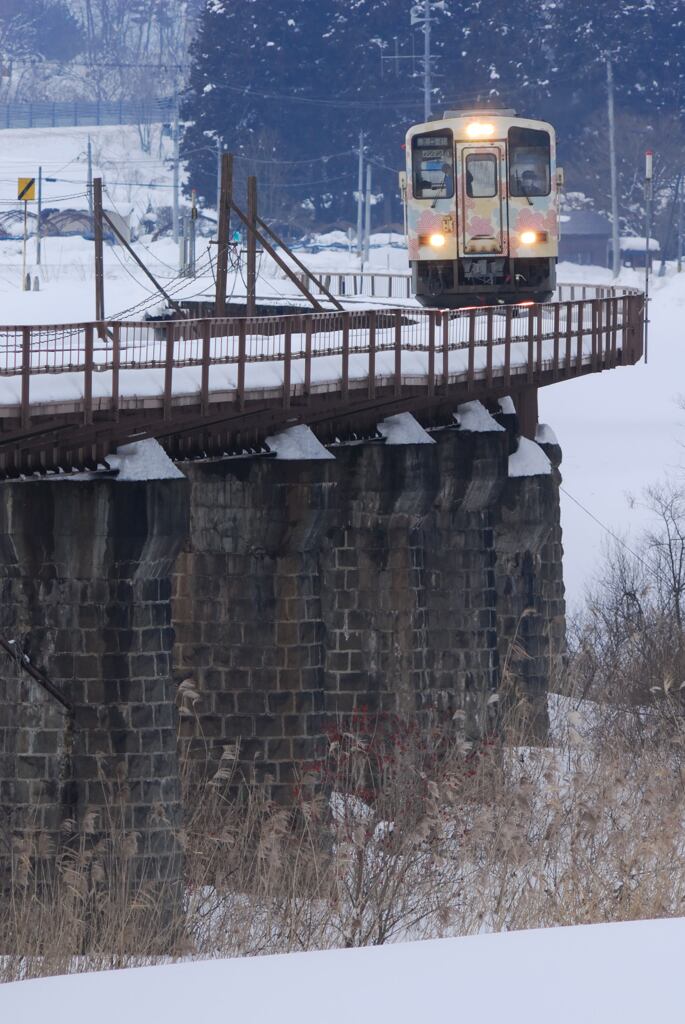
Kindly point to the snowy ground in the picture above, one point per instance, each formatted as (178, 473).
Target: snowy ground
(628, 973)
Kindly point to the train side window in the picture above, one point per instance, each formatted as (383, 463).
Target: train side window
(481, 175)
(433, 165)
(529, 162)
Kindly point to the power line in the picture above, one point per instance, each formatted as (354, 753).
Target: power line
(619, 540)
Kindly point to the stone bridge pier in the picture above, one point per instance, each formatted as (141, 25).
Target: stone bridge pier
(398, 577)
(85, 587)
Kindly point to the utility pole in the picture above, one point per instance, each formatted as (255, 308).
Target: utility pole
(224, 223)
(25, 279)
(615, 241)
(218, 183)
(176, 177)
(649, 172)
(193, 227)
(367, 217)
(360, 195)
(99, 258)
(251, 245)
(89, 187)
(427, 61)
(680, 225)
(40, 210)
(422, 14)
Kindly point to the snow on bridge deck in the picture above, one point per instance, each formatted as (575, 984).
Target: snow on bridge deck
(53, 370)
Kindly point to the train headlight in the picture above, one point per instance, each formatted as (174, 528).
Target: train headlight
(437, 240)
(480, 130)
(529, 237)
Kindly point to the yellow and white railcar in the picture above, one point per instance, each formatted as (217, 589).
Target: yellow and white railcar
(482, 195)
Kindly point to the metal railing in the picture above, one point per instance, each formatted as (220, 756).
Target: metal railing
(110, 365)
(375, 284)
(84, 113)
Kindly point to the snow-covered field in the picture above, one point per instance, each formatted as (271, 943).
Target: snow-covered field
(599, 974)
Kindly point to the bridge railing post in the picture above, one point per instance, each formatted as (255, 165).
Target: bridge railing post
(433, 317)
(488, 351)
(242, 359)
(345, 375)
(471, 372)
(307, 355)
(507, 346)
(206, 352)
(445, 321)
(372, 353)
(287, 361)
(531, 344)
(557, 320)
(25, 377)
(580, 337)
(116, 368)
(595, 306)
(398, 351)
(169, 368)
(88, 377)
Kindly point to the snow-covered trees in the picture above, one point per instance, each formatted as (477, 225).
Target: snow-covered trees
(293, 83)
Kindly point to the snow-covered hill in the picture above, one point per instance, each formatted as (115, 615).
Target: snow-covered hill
(627, 973)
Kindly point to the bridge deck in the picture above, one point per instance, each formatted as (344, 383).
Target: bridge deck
(70, 394)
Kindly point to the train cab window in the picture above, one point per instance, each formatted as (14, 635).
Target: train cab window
(433, 166)
(481, 175)
(529, 162)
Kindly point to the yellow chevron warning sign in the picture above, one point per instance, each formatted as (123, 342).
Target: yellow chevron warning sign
(26, 189)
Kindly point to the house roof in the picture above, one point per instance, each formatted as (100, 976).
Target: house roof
(584, 222)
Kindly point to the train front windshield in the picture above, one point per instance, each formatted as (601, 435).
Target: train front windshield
(529, 162)
(433, 165)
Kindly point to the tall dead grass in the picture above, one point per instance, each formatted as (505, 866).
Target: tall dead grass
(397, 833)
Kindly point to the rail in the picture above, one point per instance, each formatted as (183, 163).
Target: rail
(94, 373)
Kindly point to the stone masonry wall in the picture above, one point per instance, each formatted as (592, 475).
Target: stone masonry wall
(393, 577)
(85, 582)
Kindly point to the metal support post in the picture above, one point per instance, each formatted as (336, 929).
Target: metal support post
(89, 186)
(367, 217)
(176, 178)
(360, 196)
(427, 61)
(649, 162)
(24, 285)
(251, 245)
(40, 211)
(615, 240)
(99, 255)
(192, 233)
(223, 228)
(680, 225)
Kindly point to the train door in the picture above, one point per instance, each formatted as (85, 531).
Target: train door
(480, 199)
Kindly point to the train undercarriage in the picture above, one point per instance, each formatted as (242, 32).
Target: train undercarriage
(483, 280)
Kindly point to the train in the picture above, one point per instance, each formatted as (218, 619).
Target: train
(481, 193)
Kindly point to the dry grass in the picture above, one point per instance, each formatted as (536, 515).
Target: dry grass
(423, 837)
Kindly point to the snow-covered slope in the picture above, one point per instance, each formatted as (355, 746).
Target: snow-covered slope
(599, 974)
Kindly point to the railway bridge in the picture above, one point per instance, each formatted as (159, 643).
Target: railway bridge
(263, 596)
(71, 394)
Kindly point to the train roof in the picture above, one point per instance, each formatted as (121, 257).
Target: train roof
(503, 120)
